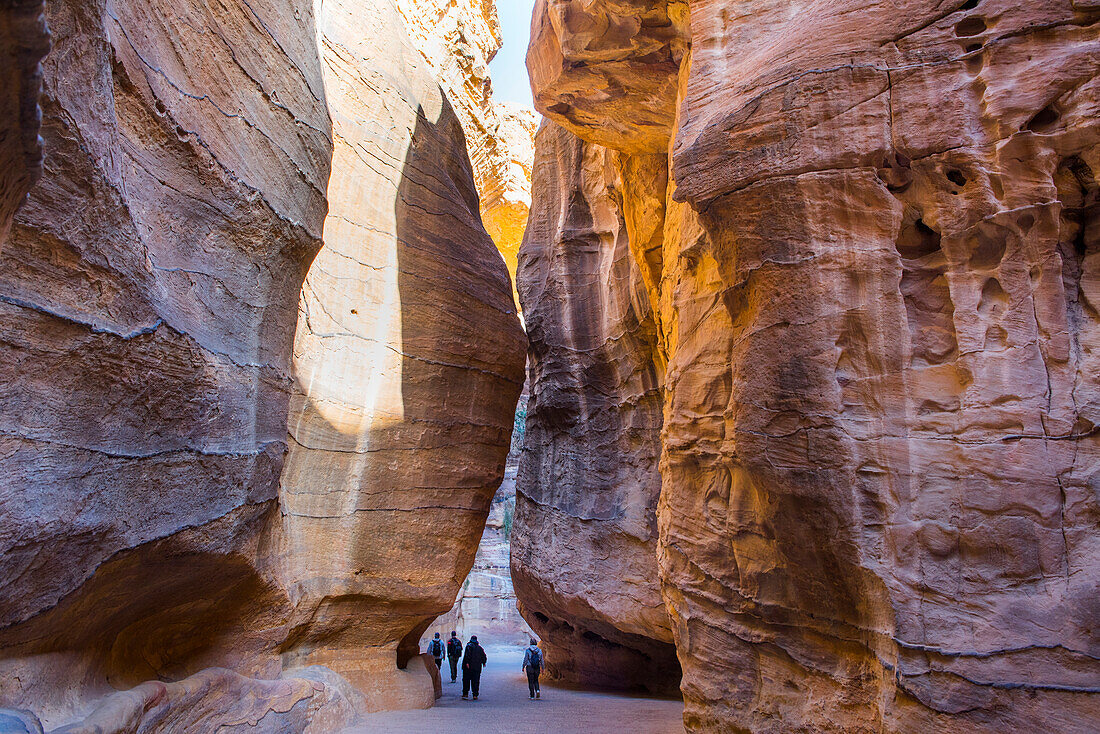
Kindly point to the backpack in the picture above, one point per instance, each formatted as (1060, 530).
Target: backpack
(435, 647)
(536, 658)
(454, 648)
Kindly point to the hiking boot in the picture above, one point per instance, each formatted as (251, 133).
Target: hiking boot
(532, 697)
(464, 697)
(538, 694)
(475, 698)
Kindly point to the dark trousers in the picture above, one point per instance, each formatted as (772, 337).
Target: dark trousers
(454, 668)
(438, 663)
(532, 679)
(471, 679)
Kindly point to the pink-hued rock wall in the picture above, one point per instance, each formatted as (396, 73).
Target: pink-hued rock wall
(877, 305)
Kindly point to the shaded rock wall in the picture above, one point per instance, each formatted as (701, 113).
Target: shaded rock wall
(486, 603)
(151, 288)
(588, 480)
(24, 40)
(458, 40)
(878, 502)
(408, 361)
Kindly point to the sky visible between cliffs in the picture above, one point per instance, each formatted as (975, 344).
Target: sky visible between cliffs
(509, 68)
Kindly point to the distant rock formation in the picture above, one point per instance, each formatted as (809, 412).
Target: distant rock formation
(151, 289)
(875, 288)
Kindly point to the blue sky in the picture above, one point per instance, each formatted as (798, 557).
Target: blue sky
(508, 69)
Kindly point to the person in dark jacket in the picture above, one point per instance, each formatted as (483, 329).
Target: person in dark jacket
(454, 652)
(532, 663)
(472, 663)
(435, 647)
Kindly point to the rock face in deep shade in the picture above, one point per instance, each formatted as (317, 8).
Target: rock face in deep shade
(151, 288)
(24, 40)
(588, 480)
(877, 302)
(408, 362)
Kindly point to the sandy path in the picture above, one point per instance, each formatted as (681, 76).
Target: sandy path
(504, 708)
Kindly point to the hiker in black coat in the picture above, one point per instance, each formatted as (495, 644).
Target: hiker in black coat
(454, 652)
(472, 663)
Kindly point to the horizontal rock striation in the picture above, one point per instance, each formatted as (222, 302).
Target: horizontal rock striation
(408, 362)
(876, 304)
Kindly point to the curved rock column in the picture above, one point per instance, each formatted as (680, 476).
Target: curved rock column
(584, 544)
(408, 362)
(877, 305)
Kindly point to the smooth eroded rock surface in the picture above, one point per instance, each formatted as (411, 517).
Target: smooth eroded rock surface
(584, 543)
(408, 361)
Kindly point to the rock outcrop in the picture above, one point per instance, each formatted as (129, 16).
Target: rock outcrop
(588, 480)
(151, 290)
(408, 362)
(876, 300)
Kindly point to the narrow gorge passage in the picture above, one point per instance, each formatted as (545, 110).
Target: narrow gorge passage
(504, 707)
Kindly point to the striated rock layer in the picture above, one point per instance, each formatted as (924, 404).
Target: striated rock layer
(486, 603)
(588, 481)
(151, 540)
(408, 362)
(458, 39)
(877, 302)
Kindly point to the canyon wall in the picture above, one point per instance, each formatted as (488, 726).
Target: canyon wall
(408, 361)
(877, 302)
(458, 40)
(588, 480)
(152, 287)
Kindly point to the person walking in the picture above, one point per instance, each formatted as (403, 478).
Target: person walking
(532, 663)
(435, 647)
(454, 652)
(472, 663)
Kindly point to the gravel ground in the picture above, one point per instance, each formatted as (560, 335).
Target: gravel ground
(504, 707)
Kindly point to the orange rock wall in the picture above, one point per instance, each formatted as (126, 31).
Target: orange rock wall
(876, 301)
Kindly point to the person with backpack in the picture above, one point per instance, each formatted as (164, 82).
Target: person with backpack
(532, 663)
(472, 663)
(435, 647)
(454, 652)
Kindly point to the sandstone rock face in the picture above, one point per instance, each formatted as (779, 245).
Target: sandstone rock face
(408, 362)
(877, 304)
(24, 40)
(151, 288)
(458, 40)
(149, 292)
(588, 480)
(486, 603)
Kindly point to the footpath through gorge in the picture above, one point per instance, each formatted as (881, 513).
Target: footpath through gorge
(504, 706)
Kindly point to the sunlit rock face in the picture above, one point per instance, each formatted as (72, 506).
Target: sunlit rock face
(148, 291)
(408, 360)
(23, 41)
(877, 302)
(458, 39)
(584, 544)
